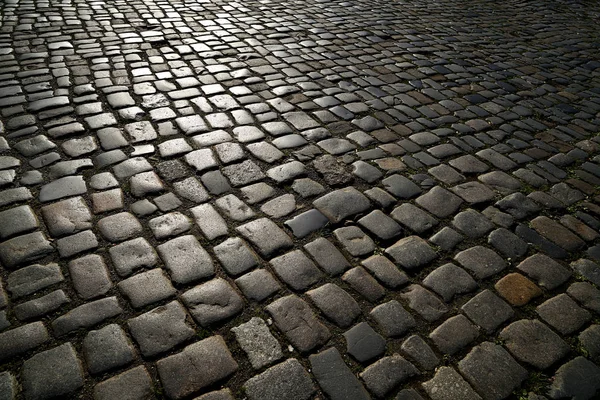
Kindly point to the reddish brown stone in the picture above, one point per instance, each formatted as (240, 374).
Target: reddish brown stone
(517, 289)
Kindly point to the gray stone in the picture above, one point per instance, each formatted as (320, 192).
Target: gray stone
(185, 259)
(266, 236)
(24, 249)
(439, 202)
(191, 189)
(334, 376)
(408, 394)
(288, 380)
(86, 315)
(518, 205)
(223, 394)
(392, 318)
(474, 192)
(296, 269)
(90, 276)
(472, 223)
(63, 187)
(577, 379)
(360, 280)
(169, 225)
(41, 306)
(8, 386)
(298, 323)
(386, 374)
(354, 240)
(508, 244)
(307, 222)
(327, 256)
(424, 302)
(279, 206)
(146, 288)
(17, 220)
(447, 384)
(487, 310)
(53, 373)
(120, 227)
(342, 203)
(160, 329)
(532, 342)
(145, 184)
(209, 221)
(454, 334)
(235, 256)
(414, 218)
(286, 172)
(416, 348)
(401, 187)
(363, 343)
(385, 271)
(234, 208)
(15, 195)
(411, 252)
(481, 261)
(258, 284)
(586, 294)
(33, 278)
(258, 343)
(243, 173)
(380, 224)
(107, 348)
(131, 255)
(492, 371)
(133, 384)
(563, 314)
(449, 281)
(548, 273)
(335, 303)
(185, 373)
(447, 238)
(212, 302)
(77, 243)
(590, 340)
(588, 269)
(22, 339)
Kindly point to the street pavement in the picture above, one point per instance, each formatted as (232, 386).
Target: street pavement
(267, 200)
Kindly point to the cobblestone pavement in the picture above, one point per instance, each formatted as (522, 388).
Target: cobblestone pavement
(299, 199)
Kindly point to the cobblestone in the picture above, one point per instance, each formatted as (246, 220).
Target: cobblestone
(412, 167)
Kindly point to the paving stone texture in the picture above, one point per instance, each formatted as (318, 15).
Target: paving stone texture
(210, 199)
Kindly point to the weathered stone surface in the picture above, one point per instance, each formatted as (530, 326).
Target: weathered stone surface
(439, 202)
(258, 284)
(33, 278)
(266, 236)
(532, 342)
(385, 271)
(133, 384)
(454, 334)
(86, 315)
(146, 288)
(342, 203)
(288, 380)
(53, 373)
(23, 249)
(547, 272)
(327, 256)
(563, 314)
(335, 303)
(449, 281)
(185, 259)
(411, 252)
(185, 373)
(481, 261)
(424, 302)
(386, 374)
(22, 339)
(107, 348)
(297, 321)
(160, 329)
(131, 255)
(517, 289)
(212, 302)
(256, 340)
(334, 376)
(447, 384)
(17, 220)
(487, 310)
(577, 379)
(492, 371)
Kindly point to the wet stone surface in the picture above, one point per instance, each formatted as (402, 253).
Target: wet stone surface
(299, 200)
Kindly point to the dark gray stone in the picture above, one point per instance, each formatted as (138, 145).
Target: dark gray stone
(212, 302)
(360, 280)
(63, 187)
(185, 373)
(532, 342)
(52, 373)
(487, 310)
(424, 302)
(90, 276)
(420, 352)
(41, 306)
(439, 202)
(107, 348)
(24, 249)
(577, 379)
(401, 187)
(385, 271)
(133, 384)
(363, 343)
(22, 339)
(258, 284)
(449, 281)
(386, 374)
(327, 256)
(492, 371)
(454, 334)
(235, 256)
(481, 261)
(518, 205)
(146, 288)
(474, 192)
(86, 315)
(590, 340)
(380, 225)
(160, 329)
(296, 269)
(563, 314)
(411, 252)
(414, 218)
(472, 223)
(508, 244)
(447, 238)
(545, 271)
(392, 318)
(266, 236)
(354, 240)
(288, 380)
(447, 384)
(588, 269)
(17, 220)
(33, 278)
(131, 255)
(334, 376)
(186, 259)
(306, 223)
(335, 303)
(298, 323)
(586, 294)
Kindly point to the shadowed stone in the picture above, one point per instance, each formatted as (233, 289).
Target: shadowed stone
(288, 380)
(342, 203)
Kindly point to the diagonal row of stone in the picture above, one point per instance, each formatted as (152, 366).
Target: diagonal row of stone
(312, 201)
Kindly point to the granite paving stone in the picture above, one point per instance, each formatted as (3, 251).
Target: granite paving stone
(193, 166)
